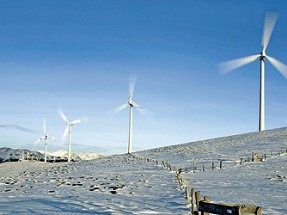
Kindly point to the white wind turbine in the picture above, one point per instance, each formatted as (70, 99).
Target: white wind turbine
(68, 131)
(132, 104)
(45, 137)
(270, 21)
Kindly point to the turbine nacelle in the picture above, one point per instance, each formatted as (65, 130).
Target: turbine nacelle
(133, 104)
(263, 54)
(46, 136)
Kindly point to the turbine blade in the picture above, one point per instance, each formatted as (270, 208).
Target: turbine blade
(61, 113)
(65, 133)
(52, 137)
(120, 108)
(136, 105)
(132, 86)
(84, 119)
(282, 68)
(44, 126)
(38, 141)
(234, 64)
(144, 112)
(76, 121)
(270, 21)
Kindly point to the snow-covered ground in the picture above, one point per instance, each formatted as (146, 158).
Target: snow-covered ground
(111, 185)
(239, 181)
(121, 184)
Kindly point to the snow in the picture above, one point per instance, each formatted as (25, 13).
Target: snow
(7, 154)
(111, 185)
(140, 184)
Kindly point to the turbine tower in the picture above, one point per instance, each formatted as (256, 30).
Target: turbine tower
(270, 21)
(68, 131)
(45, 137)
(132, 105)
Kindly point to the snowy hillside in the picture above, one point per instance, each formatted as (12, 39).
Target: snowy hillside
(262, 183)
(146, 182)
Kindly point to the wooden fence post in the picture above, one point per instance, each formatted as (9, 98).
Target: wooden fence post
(187, 190)
(180, 180)
(194, 166)
(258, 211)
(192, 201)
(197, 199)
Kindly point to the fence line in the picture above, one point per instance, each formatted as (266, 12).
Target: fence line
(193, 198)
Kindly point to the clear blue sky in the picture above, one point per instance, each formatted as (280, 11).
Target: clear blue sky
(79, 55)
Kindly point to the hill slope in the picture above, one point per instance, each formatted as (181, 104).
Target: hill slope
(122, 184)
(240, 180)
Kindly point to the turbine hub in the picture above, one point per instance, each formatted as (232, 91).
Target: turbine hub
(263, 54)
(131, 103)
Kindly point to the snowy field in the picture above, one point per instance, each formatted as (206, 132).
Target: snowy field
(121, 184)
(112, 185)
(239, 181)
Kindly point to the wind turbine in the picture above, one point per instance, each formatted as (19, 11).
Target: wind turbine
(68, 130)
(45, 137)
(132, 105)
(270, 21)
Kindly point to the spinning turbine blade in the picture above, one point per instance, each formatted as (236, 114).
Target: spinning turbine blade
(136, 105)
(61, 113)
(144, 112)
(282, 68)
(120, 108)
(51, 137)
(76, 121)
(132, 86)
(270, 21)
(65, 133)
(234, 64)
(39, 140)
